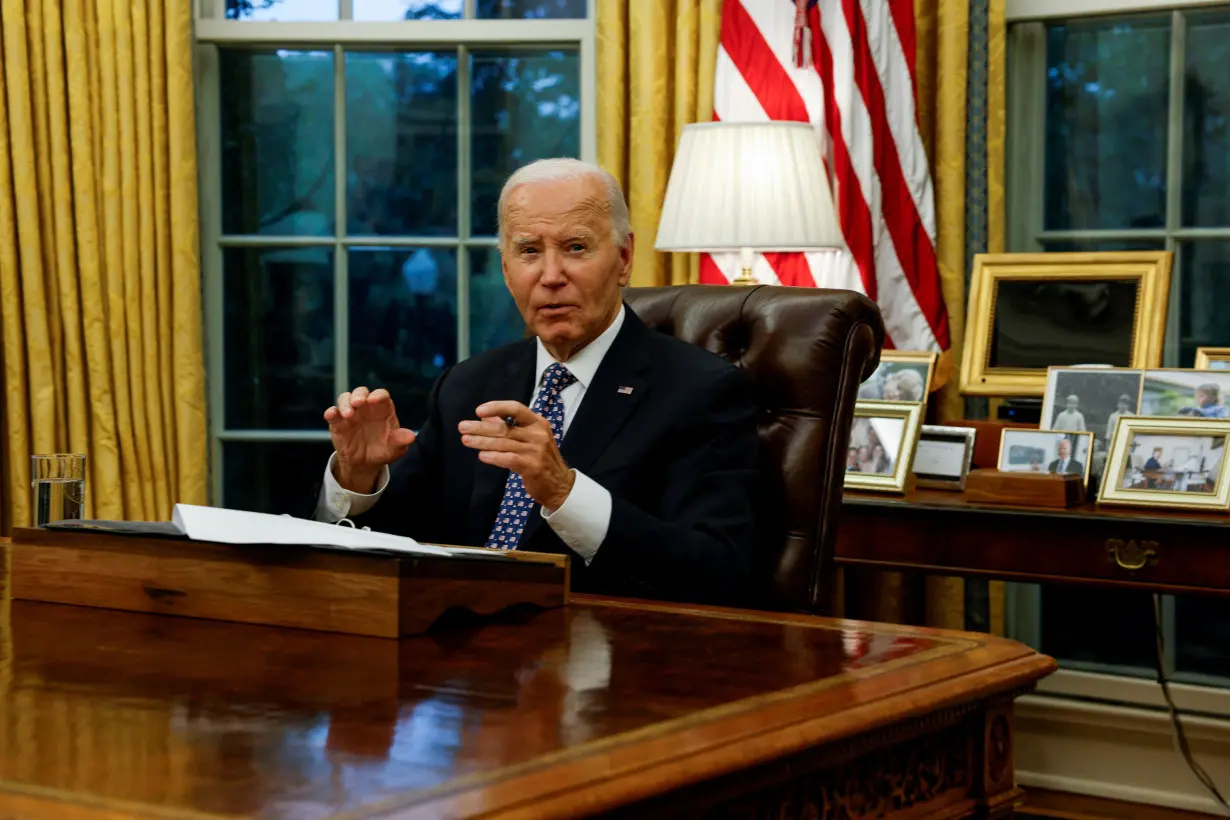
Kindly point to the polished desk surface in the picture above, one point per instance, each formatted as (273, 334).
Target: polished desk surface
(556, 713)
(1149, 548)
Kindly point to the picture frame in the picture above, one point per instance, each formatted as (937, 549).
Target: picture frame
(1212, 358)
(1022, 450)
(902, 375)
(1092, 399)
(1189, 393)
(943, 456)
(1103, 308)
(894, 427)
(1154, 461)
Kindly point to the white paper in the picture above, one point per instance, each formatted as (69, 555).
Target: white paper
(241, 527)
(946, 458)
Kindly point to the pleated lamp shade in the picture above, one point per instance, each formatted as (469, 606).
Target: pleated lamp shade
(748, 186)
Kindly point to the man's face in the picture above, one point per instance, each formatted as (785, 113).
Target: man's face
(1064, 449)
(1203, 398)
(1123, 407)
(560, 262)
(1073, 404)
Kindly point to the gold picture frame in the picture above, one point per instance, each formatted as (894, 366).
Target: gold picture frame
(1207, 358)
(1150, 270)
(893, 360)
(1122, 468)
(896, 477)
(1052, 436)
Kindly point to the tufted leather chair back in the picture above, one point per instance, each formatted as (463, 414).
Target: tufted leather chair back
(806, 351)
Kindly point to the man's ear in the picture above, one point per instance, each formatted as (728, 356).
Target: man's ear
(625, 260)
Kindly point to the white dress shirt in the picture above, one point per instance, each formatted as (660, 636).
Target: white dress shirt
(582, 520)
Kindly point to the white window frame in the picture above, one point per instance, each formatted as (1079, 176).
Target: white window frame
(211, 33)
(1089, 730)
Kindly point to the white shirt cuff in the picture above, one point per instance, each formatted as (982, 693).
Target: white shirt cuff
(336, 502)
(583, 519)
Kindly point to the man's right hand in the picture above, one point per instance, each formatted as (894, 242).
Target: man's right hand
(366, 437)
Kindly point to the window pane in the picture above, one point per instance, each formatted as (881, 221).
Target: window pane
(1089, 245)
(1202, 633)
(526, 105)
(406, 9)
(273, 477)
(269, 10)
(403, 322)
(277, 337)
(277, 142)
(530, 8)
(1206, 121)
(1205, 289)
(494, 318)
(401, 143)
(1092, 627)
(1106, 103)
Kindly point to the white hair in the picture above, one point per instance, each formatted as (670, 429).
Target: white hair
(558, 169)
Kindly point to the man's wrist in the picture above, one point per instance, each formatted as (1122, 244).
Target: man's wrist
(558, 498)
(362, 482)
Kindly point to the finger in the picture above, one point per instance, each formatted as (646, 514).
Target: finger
(333, 414)
(358, 397)
(379, 395)
(402, 437)
(505, 409)
(501, 443)
(343, 405)
(496, 458)
(486, 427)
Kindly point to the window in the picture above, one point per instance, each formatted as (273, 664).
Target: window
(1120, 139)
(351, 157)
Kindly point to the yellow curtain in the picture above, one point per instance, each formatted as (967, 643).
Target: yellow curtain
(100, 305)
(655, 75)
(945, 48)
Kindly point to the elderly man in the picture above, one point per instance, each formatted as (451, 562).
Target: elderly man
(631, 450)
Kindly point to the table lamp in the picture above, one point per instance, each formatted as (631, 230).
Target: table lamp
(748, 186)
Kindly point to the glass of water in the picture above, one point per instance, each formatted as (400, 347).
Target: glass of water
(57, 487)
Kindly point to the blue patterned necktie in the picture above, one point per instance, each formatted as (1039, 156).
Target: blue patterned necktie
(516, 506)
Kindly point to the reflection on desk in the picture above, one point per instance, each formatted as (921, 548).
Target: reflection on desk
(566, 712)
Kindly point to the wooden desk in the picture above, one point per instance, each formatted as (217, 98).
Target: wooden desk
(602, 708)
(941, 532)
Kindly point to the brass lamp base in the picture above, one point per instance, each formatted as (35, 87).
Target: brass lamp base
(745, 277)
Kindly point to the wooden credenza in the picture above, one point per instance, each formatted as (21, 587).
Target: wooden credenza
(597, 709)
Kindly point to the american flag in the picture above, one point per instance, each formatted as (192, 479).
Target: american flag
(847, 66)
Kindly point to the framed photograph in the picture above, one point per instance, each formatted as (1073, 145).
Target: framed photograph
(1032, 311)
(942, 457)
(1045, 451)
(1090, 399)
(881, 447)
(1168, 462)
(903, 375)
(1213, 358)
(1194, 393)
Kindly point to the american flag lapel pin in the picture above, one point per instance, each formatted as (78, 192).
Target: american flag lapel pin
(627, 391)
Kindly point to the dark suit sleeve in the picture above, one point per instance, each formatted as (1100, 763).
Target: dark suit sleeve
(698, 544)
(410, 502)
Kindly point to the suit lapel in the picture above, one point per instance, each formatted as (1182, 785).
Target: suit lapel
(617, 387)
(515, 381)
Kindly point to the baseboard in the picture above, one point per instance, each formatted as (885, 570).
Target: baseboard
(1118, 753)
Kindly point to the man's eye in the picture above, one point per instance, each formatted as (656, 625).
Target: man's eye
(528, 251)
(576, 247)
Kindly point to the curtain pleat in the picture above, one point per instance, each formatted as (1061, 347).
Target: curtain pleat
(655, 75)
(100, 327)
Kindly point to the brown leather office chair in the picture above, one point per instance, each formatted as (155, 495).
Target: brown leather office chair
(806, 351)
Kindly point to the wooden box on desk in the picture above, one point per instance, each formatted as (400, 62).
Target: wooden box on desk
(382, 594)
(1024, 489)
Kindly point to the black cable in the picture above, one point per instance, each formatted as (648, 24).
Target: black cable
(1180, 735)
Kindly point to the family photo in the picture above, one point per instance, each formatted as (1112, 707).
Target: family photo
(897, 380)
(1092, 400)
(1042, 451)
(1174, 463)
(1199, 394)
(875, 443)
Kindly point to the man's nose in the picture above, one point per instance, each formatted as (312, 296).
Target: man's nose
(553, 269)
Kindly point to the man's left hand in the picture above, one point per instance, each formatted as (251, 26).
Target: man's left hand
(527, 448)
